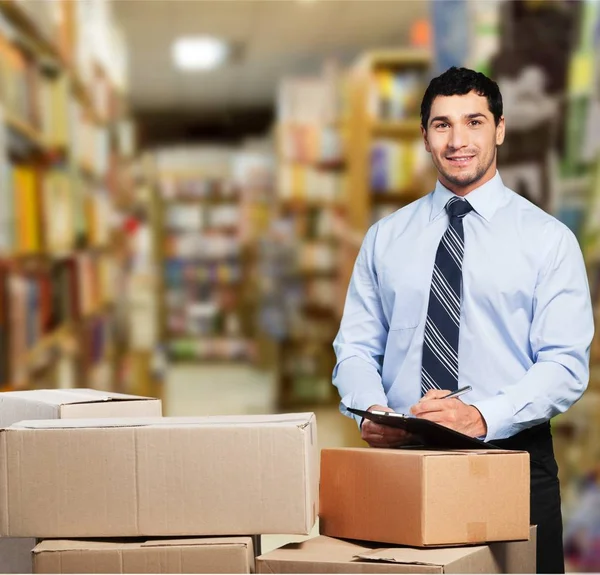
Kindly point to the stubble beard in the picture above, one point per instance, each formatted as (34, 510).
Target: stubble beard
(465, 180)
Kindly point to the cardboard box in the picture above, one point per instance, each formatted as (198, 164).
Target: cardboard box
(327, 555)
(222, 555)
(424, 498)
(159, 476)
(15, 406)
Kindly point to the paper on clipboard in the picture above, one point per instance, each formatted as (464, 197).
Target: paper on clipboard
(431, 434)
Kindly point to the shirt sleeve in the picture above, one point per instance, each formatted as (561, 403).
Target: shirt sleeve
(560, 337)
(360, 342)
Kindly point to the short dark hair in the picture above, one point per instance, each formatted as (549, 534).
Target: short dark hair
(458, 82)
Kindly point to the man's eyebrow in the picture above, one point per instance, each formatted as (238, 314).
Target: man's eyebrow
(447, 119)
(439, 119)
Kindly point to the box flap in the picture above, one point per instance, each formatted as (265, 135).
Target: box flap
(299, 419)
(198, 541)
(320, 549)
(429, 452)
(69, 396)
(61, 545)
(414, 556)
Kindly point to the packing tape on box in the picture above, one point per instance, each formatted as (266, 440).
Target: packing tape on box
(479, 466)
(477, 531)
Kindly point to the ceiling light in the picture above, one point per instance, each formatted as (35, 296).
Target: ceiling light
(198, 53)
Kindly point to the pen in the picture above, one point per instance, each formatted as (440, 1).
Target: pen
(458, 392)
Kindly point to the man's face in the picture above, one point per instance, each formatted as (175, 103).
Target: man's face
(461, 137)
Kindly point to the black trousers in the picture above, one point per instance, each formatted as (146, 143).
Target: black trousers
(545, 495)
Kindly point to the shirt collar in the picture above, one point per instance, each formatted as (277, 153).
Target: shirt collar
(485, 199)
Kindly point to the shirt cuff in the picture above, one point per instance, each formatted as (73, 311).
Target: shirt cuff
(361, 401)
(497, 413)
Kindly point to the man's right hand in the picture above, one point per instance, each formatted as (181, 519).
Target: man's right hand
(381, 435)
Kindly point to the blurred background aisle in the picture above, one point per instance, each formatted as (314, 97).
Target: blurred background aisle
(184, 187)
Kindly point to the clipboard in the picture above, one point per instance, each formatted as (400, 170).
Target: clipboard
(432, 435)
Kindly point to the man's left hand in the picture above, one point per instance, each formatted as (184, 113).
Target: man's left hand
(452, 413)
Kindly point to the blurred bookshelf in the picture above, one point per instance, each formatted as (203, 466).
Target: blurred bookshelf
(387, 164)
(202, 257)
(61, 99)
(311, 138)
(350, 152)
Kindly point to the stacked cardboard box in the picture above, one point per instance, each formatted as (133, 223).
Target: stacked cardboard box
(180, 478)
(15, 406)
(417, 511)
(329, 555)
(184, 495)
(202, 555)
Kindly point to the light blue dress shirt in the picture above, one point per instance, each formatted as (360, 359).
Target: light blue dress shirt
(526, 316)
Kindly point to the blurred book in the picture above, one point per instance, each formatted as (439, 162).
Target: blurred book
(26, 182)
(58, 211)
(396, 95)
(207, 349)
(312, 143)
(305, 183)
(395, 165)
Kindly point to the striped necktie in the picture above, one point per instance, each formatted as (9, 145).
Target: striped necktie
(440, 347)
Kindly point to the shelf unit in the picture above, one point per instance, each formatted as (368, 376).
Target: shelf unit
(201, 258)
(384, 89)
(376, 85)
(56, 263)
(304, 261)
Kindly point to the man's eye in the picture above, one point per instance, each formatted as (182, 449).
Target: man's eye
(475, 122)
(441, 125)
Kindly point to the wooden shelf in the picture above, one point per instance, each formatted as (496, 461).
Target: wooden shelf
(210, 282)
(397, 129)
(26, 131)
(208, 361)
(404, 197)
(203, 201)
(324, 166)
(203, 260)
(394, 57)
(40, 153)
(301, 204)
(82, 94)
(318, 310)
(20, 19)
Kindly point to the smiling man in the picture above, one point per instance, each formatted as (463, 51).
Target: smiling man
(470, 285)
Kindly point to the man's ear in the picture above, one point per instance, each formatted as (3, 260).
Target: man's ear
(500, 131)
(424, 133)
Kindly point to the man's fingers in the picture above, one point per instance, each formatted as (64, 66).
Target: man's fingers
(445, 418)
(435, 394)
(384, 438)
(433, 405)
(370, 427)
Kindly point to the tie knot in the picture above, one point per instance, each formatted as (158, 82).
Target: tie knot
(458, 208)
